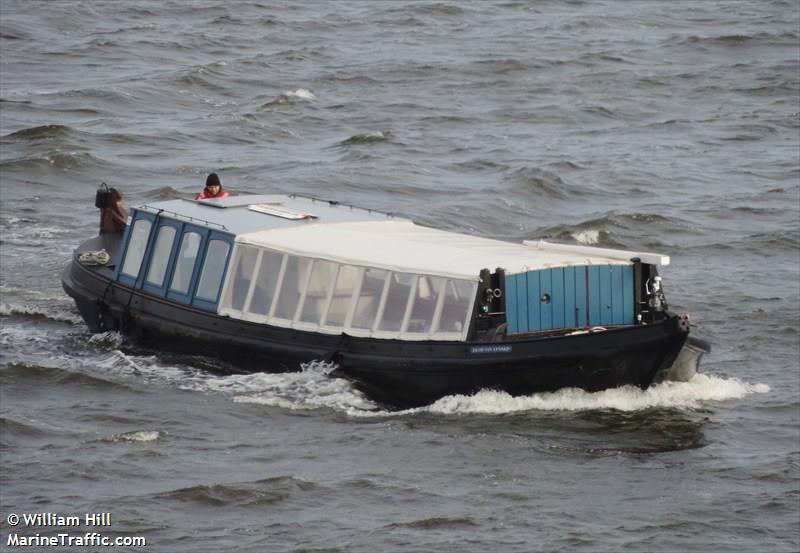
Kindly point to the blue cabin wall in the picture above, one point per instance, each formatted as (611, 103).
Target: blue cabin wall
(569, 297)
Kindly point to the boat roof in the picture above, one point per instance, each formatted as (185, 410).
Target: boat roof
(235, 214)
(344, 234)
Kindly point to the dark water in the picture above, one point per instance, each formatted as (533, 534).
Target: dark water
(662, 126)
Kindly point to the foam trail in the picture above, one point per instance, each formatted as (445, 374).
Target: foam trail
(702, 388)
(312, 388)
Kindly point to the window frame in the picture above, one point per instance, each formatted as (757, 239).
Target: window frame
(188, 295)
(123, 278)
(198, 269)
(159, 224)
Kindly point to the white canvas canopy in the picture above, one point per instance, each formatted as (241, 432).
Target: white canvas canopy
(401, 245)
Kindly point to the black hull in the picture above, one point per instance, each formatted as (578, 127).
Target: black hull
(395, 372)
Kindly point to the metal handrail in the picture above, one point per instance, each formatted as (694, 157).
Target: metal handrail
(159, 211)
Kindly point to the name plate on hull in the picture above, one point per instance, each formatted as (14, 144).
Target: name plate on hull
(491, 349)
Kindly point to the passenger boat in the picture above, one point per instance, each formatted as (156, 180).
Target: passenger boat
(408, 313)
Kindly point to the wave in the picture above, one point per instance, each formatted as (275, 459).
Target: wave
(264, 492)
(42, 132)
(54, 160)
(367, 138)
(39, 375)
(435, 523)
(735, 40)
(291, 97)
(616, 230)
(163, 193)
(540, 182)
(133, 436)
(64, 314)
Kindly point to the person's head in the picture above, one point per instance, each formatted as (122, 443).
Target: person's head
(115, 195)
(213, 185)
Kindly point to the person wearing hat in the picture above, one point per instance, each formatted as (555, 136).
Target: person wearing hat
(213, 189)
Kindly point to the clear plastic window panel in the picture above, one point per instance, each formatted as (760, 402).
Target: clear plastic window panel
(346, 280)
(241, 275)
(396, 301)
(425, 299)
(457, 300)
(136, 246)
(369, 298)
(317, 293)
(184, 265)
(265, 282)
(159, 259)
(292, 287)
(213, 270)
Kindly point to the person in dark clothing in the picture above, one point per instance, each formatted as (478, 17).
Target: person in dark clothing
(113, 217)
(213, 189)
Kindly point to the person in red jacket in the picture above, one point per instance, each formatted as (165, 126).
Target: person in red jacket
(213, 189)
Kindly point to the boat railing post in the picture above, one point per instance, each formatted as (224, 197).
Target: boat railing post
(298, 311)
(253, 281)
(437, 311)
(331, 290)
(382, 302)
(351, 309)
(278, 285)
(409, 303)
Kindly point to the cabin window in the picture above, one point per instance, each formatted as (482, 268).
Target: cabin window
(268, 272)
(159, 259)
(136, 247)
(213, 270)
(346, 282)
(319, 291)
(243, 269)
(369, 298)
(397, 299)
(458, 296)
(424, 307)
(185, 262)
(292, 286)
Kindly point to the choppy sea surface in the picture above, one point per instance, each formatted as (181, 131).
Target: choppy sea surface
(660, 126)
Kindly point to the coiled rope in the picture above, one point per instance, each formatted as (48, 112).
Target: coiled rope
(94, 258)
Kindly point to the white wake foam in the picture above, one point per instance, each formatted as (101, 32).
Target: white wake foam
(137, 436)
(314, 388)
(300, 94)
(701, 389)
(587, 236)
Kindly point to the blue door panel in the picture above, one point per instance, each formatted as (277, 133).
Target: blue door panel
(569, 297)
(593, 275)
(534, 304)
(616, 294)
(579, 296)
(511, 304)
(558, 299)
(627, 294)
(545, 287)
(522, 302)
